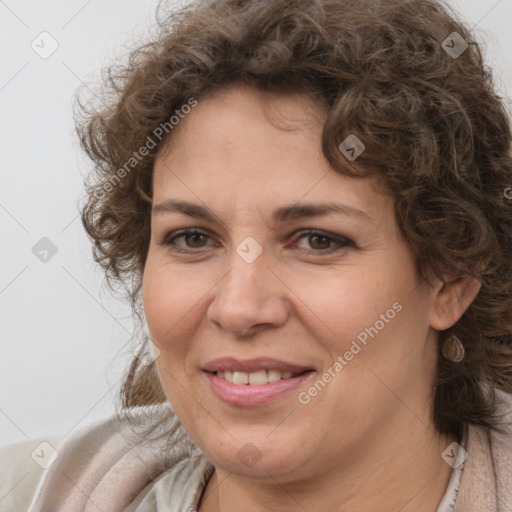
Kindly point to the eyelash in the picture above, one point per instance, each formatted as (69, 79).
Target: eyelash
(343, 243)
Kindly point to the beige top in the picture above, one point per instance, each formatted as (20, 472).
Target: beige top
(106, 467)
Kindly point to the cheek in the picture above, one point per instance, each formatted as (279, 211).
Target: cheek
(170, 304)
(377, 320)
(170, 317)
(344, 303)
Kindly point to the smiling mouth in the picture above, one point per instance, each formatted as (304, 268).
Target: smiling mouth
(257, 378)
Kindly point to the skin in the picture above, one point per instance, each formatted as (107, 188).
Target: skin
(367, 440)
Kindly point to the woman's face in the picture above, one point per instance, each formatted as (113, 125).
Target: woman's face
(267, 288)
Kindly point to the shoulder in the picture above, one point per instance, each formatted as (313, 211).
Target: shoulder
(109, 463)
(500, 451)
(498, 442)
(501, 440)
(487, 469)
(22, 466)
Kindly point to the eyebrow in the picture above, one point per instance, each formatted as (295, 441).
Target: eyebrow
(282, 214)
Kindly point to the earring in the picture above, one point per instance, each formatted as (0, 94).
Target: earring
(453, 349)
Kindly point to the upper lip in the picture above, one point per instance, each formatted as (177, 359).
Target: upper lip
(252, 365)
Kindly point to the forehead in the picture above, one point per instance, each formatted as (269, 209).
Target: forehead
(243, 113)
(244, 146)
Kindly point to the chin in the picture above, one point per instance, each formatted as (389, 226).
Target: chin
(257, 456)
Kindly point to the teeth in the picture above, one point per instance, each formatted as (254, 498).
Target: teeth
(258, 378)
(273, 375)
(240, 378)
(254, 378)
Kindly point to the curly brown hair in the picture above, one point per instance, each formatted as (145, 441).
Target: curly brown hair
(435, 130)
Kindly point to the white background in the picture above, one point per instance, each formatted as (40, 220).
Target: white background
(64, 341)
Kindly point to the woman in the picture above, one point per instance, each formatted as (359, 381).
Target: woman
(307, 204)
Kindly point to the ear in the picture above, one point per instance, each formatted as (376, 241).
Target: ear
(451, 299)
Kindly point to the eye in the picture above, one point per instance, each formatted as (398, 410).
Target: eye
(321, 242)
(191, 236)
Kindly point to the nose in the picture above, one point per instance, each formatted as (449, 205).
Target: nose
(249, 298)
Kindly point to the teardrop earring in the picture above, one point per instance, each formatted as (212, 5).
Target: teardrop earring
(453, 349)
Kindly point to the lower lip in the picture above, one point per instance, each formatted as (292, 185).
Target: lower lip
(246, 395)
